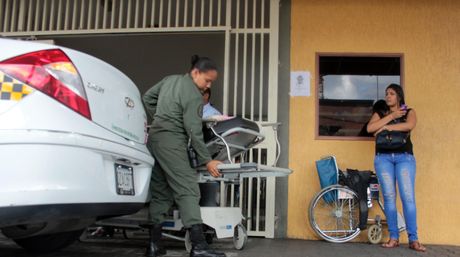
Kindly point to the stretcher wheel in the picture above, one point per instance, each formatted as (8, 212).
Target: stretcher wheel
(126, 234)
(240, 237)
(188, 241)
(374, 233)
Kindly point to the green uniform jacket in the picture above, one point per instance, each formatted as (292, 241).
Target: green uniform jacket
(176, 106)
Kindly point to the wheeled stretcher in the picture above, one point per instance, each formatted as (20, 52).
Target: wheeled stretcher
(225, 139)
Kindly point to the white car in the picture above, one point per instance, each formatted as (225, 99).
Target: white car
(73, 149)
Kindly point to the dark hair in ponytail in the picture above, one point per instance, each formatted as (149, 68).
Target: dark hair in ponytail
(203, 64)
(399, 92)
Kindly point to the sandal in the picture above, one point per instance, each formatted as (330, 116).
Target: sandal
(392, 243)
(417, 246)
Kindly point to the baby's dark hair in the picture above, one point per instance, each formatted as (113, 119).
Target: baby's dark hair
(381, 108)
(203, 64)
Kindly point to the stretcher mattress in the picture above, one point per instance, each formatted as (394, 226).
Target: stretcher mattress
(239, 134)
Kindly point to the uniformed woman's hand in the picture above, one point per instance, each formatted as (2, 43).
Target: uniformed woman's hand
(212, 168)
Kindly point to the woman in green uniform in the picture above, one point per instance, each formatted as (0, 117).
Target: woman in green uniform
(176, 105)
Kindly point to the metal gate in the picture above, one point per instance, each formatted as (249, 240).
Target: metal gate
(250, 71)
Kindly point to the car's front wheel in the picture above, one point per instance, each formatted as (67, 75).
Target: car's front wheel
(50, 242)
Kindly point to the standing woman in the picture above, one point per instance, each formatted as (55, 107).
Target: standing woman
(176, 107)
(397, 166)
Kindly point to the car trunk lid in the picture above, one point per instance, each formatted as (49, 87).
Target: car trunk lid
(114, 100)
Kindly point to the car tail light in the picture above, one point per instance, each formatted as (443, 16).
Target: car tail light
(51, 72)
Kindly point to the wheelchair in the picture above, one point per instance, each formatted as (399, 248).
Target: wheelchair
(339, 212)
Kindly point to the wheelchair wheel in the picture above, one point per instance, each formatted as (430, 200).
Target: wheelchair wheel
(374, 233)
(334, 214)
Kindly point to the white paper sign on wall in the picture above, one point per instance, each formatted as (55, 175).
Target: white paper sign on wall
(300, 83)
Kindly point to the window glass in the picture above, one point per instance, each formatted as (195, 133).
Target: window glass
(348, 87)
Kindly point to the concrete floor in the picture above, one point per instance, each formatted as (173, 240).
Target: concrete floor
(256, 247)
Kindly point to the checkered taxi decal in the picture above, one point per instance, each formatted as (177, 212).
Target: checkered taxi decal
(12, 89)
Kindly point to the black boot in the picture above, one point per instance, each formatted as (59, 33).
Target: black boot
(199, 246)
(154, 250)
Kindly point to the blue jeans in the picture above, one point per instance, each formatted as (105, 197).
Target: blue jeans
(398, 168)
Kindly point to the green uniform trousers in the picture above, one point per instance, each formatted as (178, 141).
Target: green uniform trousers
(173, 180)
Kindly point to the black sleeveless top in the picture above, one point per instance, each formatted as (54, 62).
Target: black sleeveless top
(406, 148)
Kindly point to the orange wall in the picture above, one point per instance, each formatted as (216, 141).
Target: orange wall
(427, 33)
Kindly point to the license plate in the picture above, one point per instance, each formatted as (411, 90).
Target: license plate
(124, 179)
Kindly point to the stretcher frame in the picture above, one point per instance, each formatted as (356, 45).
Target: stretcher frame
(226, 222)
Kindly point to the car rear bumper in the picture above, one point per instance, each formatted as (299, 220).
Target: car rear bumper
(48, 175)
(34, 214)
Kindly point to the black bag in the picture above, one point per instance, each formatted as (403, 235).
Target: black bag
(390, 140)
(358, 181)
